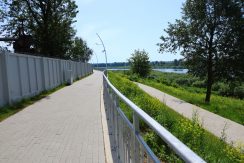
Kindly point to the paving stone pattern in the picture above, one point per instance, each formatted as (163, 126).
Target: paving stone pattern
(63, 127)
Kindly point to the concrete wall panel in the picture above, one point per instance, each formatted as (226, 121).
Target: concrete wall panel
(14, 77)
(23, 76)
(2, 100)
(46, 73)
(32, 76)
(39, 75)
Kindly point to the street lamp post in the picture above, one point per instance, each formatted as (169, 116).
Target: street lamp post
(97, 59)
(104, 50)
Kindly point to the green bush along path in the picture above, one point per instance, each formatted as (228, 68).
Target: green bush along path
(212, 122)
(191, 90)
(190, 132)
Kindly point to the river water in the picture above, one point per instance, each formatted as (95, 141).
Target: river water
(178, 71)
(169, 70)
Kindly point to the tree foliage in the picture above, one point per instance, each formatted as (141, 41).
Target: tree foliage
(49, 22)
(210, 36)
(80, 50)
(2, 11)
(140, 63)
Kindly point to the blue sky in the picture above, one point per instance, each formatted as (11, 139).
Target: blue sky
(126, 25)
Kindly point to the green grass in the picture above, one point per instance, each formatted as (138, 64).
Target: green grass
(191, 133)
(227, 107)
(9, 110)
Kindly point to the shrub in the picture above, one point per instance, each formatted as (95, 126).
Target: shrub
(211, 148)
(139, 63)
(160, 148)
(174, 85)
(224, 90)
(235, 154)
(182, 81)
(185, 80)
(133, 77)
(216, 86)
(199, 84)
(239, 92)
(165, 81)
(152, 77)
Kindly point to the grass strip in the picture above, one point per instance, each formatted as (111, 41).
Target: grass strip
(228, 107)
(191, 133)
(224, 106)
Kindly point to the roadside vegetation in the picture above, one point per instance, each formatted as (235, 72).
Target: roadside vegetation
(191, 133)
(226, 101)
(139, 63)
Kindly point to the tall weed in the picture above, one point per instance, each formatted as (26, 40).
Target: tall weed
(191, 133)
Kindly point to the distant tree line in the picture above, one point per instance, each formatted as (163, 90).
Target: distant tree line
(154, 64)
(168, 64)
(113, 65)
(49, 23)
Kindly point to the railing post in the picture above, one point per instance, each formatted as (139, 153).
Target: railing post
(117, 125)
(113, 125)
(135, 142)
(121, 141)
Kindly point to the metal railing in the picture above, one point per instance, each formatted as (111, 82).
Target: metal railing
(127, 143)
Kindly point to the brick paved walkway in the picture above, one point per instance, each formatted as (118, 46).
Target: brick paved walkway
(63, 127)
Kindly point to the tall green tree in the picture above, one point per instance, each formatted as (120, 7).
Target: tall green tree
(210, 36)
(139, 63)
(80, 50)
(49, 22)
(3, 10)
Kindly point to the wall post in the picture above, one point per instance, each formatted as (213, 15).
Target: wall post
(6, 83)
(43, 74)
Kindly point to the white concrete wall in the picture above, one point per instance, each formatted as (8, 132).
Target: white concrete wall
(2, 98)
(24, 76)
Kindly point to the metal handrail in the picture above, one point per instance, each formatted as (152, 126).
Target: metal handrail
(175, 144)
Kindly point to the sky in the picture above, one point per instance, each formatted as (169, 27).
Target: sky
(125, 26)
